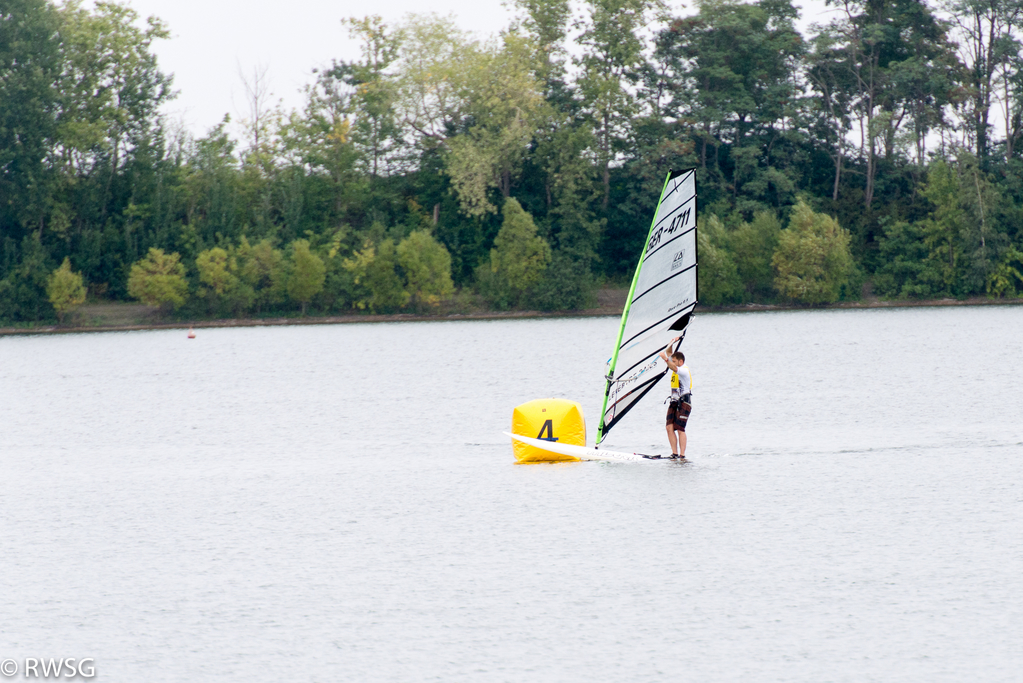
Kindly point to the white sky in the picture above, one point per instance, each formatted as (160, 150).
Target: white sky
(213, 39)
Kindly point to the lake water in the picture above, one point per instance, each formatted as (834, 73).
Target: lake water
(337, 503)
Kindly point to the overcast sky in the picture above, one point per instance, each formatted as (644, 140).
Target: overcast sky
(212, 39)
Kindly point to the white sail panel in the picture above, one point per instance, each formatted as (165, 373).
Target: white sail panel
(663, 295)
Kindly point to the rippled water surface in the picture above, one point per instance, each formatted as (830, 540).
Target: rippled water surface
(332, 503)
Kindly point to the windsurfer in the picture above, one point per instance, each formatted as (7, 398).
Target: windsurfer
(681, 401)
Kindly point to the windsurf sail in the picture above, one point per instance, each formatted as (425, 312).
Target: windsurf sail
(660, 304)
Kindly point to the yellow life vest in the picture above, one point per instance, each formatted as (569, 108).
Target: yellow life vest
(676, 389)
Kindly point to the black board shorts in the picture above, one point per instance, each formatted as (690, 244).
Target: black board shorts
(678, 413)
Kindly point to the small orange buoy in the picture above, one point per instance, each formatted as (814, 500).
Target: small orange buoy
(191, 334)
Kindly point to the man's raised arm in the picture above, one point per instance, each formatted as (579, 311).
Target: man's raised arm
(666, 355)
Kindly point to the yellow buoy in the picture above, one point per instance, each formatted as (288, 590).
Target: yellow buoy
(552, 419)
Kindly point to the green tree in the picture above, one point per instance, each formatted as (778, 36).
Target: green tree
(567, 284)
(751, 247)
(504, 101)
(354, 286)
(963, 231)
(111, 84)
(428, 93)
(738, 61)
(987, 32)
(1011, 82)
(65, 290)
(159, 280)
(307, 274)
(612, 55)
(944, 227)
(210, 188)
(546, 21)
(386, 291)
(719, 278)
(427, 268)
(262, 269)
(323, 140)
(23, 291)
(225, 290)
(897, 62)
(518, 260)
(834, 85)
(563, 154)
(214, 270)
(1006, 280)
(906, 270)
(985, 236)
(479, 103)
(29, 62)
(375, 130)
(812, 261)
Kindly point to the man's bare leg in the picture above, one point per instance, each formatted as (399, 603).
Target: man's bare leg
(671, 438)
(681, 444)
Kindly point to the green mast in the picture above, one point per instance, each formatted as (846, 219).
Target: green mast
(625, 313)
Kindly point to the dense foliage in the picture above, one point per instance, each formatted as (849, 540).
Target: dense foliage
(880, 150)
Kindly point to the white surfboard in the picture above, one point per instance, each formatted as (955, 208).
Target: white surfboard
(585, 453)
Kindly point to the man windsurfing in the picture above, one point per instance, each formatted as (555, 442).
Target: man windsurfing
(681, 400)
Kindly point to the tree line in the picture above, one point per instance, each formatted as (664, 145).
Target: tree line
(880, 150)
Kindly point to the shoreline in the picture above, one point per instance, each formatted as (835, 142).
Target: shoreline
(610, 304)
